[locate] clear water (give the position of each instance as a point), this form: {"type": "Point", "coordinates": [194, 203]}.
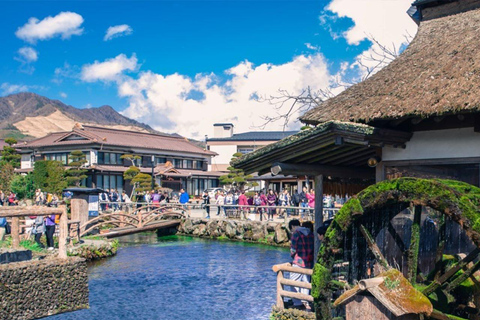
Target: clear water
{"type": "Point", "coordinates": [183, 278]}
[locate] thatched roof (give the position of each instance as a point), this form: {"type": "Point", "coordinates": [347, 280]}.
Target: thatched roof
{"type": "Point", "coordinates": [438, 74]}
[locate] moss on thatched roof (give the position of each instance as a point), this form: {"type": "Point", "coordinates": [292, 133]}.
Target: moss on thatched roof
{"type": "Point", "coordinates": [438, 74]}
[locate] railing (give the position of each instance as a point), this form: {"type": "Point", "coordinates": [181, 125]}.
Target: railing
{"type": "Point", "coordinates": [282, 281]}
{"type": "Point", "coordinates": [16, 212]}
{"type": "Point", "coordinates": [229, 210]}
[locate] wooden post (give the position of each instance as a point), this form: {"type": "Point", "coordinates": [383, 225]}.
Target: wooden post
{"type": "Point", "coordinates": [62, 240]}
{"type": "Point", "coordinates": [15, 233]}
{"type": "Point", "coordinates": [318, 211]}
{"type": "Point", "coordinates": [280, 304]}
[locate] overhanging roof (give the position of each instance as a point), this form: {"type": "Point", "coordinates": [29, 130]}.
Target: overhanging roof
{"type": "Point", "coordinates": [331, 143]}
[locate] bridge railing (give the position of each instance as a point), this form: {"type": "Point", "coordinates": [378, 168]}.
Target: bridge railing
{"type": "Point", "coordinates": [282, 282]}
{"type": "Point", "coordinates": [16, 212]}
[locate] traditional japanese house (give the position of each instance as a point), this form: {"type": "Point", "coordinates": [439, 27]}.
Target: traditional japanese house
{"type": "Point", "coordinates": [174, 161]}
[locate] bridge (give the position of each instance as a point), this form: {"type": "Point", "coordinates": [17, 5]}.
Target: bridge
{"type": "Point", "coordinates": [140, 219]}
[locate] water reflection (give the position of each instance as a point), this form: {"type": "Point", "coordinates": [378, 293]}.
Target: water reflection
{"type": "Point", "coordinates": [182, 278]}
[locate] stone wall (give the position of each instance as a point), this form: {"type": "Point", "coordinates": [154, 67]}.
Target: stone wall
{"type": "Point", "coordinates": [39, 288]}
{"type": "Point", "coordinates": [291, 314]}
{"type": "Point", "coordinates": [272, 233]}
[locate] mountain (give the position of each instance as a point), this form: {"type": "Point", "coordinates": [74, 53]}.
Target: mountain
{"type": "Point", "coordinates": [29, 115]}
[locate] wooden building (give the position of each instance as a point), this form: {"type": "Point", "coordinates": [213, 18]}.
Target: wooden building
{"type": "Point", "coordinates": [419, 116]}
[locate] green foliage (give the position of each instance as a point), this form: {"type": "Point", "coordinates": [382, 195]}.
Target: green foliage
{"type": "Point", "coordinates": [236, 177]}
{"type": "Point", "coordinates": [22, 186]}
{"type": "Point", "coordinates": [76, 174]}
{"type": "Point", "coordinates": [131, 173]}
{"type": "Point", "coordinates": [7, 172]}
{"type": "Point", "coordinates": [9, 154]}
{"type": "Point", "coordinates": [49, 176]}
{"type": "Point", "coordinates": [143, 182]}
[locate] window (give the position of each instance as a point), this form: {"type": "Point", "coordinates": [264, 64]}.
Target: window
{"type": "Point", "coordinates": [105, 181]}
{"type": "Point", "coordinates": [177, 163]}
{"type": "Point", "coordinates": [110, 158]}
{"type": "Point", "coordinates": [160, 160]}
{"type": "Point", "coordinates": [199, 165]}
{"type": "Point", "coordinates": [62, 157]}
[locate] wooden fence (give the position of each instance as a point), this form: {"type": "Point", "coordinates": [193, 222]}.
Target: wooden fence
{"type": "Point", "coordinates": [16, 212]}
{"type": "Point", "coordinates": [282, 281]}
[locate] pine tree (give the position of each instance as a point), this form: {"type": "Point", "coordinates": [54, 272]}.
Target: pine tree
{"type": "Point", "coordinates": [143, 182]}
{"type": "Point", "coordinates": [76, 174]}
{"type": "Point", "coordinates": [9, 154]}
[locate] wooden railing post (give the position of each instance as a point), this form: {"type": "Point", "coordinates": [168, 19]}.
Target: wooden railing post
{"type": "Point", "coordinates": [280, 304]}
{"type": "Point", "coordinates": [62, 240]}
{"type": "Point", "coordinates": [15, 233]}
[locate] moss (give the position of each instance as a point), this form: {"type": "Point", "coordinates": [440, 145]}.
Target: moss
{"type": "Point", "coordinates": [344, 216]}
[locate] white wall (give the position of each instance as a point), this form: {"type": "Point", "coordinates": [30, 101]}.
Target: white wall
{"type": "Point", "coordinates": [26, 161]}
{"type": "Point", "coordinates": [225, 153]}
{"type": "Point", "coordinates": [437, 144]}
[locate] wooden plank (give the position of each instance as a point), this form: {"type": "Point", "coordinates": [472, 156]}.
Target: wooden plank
{"type": "Point", "coordinates": [374, 248]}
{"type": "Point", "coordinates": [280, 303]}
{"type": "Point", "coordinates": [294, 283]}
{"type": "Point", "coordinates": [318, 213]}
{"type": "Point", "coordinates": [288, 267]}
{"type": "Point", "coordinates": [127, 231]}
{"type": "Point", "coordinates": [15, 233]}
{"type": "Point", "coordinates": [296, 295]}
{"type": "Point", "coordinates": [19, 211]}
{"type": "Point", "coordinates": [62, 240]}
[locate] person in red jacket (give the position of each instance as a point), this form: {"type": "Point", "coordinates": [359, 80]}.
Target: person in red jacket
{"type": "Point", "coordinates": [243, 201]}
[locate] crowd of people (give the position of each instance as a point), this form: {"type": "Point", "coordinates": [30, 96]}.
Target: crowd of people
{"type": "Point", "coordinates": [270, 203]}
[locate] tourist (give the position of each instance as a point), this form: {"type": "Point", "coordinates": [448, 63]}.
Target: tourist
{"type": "Point", "coordinates": [3, 226]}
{"type": "Point", "coordinates": [54, 201]}
{"type": "Point", "coordinates": [155, 199]}
{"type": "Point", "coordinates": [2, 198]}
{"type": "Point", "coordinates": [115, 199]}
{"type": "Point", "coordinates": [167, 197]}
{"type": "Point", "coordinates": [311, 200]}
{"type": "Point", "coordinates": [38, 230]}
{"type": "Point", "coordinates": [126, 200]}
{"type": "Point", "coordinates": [220, 201]}
{"type": "Point", "coordinates": [229, 200]}
{"type": "Point", "coordinates": [271, 200]}
{"type": "Point", "coordinates": [242, 202]}
{"type": "Point", "coordinates": [284, 201]}
{"type": "Point", "coordinates": [303, 201]}
{"type": "Point", "coordinates": [206, 203]}
{"type": "Point", "coordinates": [322, 230]}
{"type": "Point", "coordinates": [12, 199]}
{"type": "Point", "coordinates": [263, 199]}
{"type": "Point", "coordinates": [257, 201]}
{"type": "Point", "coordinates": [39, 199]}
{"type": "Point", "coordinates": [50, 230]}
{"type": "Point", "coordinates": [184, 197]}
{"type": "Point", "coordinates": [103, 199]}
{"type": "Point", "coordinates": [301, 251]}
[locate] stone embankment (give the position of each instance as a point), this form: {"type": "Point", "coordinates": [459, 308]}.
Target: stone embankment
{"type": "Point", "coordinates": [39, 288]}
{"type": "Point", "coordinates": [94, 249]}
{"type": "Point", "coordinates": [271, 233]}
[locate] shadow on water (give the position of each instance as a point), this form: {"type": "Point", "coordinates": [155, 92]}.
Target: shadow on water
{"type": "Point", "coordinates": [177, 277]}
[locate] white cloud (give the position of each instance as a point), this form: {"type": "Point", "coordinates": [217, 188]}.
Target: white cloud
{"type": "Point", "coordinates": [63, 95]}
{"type": "Point", "coordinates": [109, 69]}
{"type": "Point", "coordinates": [117, 31]}
{"type": "Point", "coordinates": [166, 103]}
{"type": "Point", "coordinates": [10, 88]}
{"type": "Point", "coordinates": [312, 47]}
{"type": "Point", "coordinates": [385, 21]}
{"type": "Point", "coordinates": [28, 54]}
{"type": "Point", "coordinates": [64, 25]}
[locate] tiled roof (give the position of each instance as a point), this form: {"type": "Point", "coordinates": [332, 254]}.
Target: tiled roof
{"type": "Point", "coordinates": [257, 136]}
{"type": "Point", "coordinates": [115, 137]}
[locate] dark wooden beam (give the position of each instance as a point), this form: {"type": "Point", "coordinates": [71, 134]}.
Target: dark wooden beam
{"type": "Point", "coordinates": [315, 170]}
{"type": "Point", "coordinates": [318, 211]}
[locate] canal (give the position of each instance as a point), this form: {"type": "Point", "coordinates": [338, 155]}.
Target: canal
{"type": "Point", "coordinates": [182, 278]}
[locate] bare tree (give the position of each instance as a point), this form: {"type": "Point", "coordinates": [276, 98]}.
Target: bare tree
{"type": "Point", "coordinates": [287, 104]}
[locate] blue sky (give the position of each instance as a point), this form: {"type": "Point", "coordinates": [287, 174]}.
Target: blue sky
{"type": "Point", "coordinates": [180, 66]}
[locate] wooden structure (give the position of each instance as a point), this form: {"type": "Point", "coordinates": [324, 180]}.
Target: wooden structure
{"type": "Point", "coordinates": [279, 269]}
{"type": "Point", "coordinates": [386, 297]}
{"type": "Point", "coordinates": [16, 212]}
{"type": "Point", "coordinates": [142, 219]}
